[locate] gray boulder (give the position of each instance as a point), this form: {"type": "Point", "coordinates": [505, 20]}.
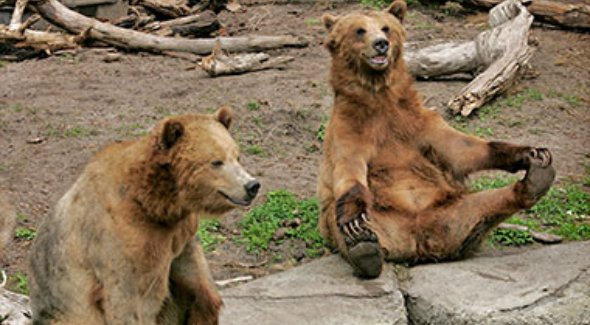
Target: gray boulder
{"type": "Point", "coordinates": [321, 292]}
{"type": "Point", "coordinates": [549, 285]}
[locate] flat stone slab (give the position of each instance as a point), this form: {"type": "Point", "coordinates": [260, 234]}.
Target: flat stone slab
{"type": "Point", "coordinates": [322, 292]}
{"type": "Point", "coordinates": [549, 285]}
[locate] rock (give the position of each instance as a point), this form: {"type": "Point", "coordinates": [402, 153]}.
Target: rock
{"type": "Point", "coordinates": [321, 292]}
{"type": "Point", "coordinates": [15, 307]}
{"type": "Point", "coordinates": [279, 234]}
{"type": "Point", "coordinates": [549, 285]}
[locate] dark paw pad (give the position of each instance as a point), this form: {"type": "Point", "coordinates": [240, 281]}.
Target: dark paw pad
{"type": "Point", "coordinates": [366, 259]}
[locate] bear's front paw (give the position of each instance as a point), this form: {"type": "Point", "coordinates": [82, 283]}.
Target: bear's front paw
{"type": "Point", "coordinates": [352, 216]}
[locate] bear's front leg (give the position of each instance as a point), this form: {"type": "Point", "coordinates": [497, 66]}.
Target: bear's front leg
{"type": "Point", "coordinates": [194, 293]}
{"type": "Point", "coordinates": [352, 216]}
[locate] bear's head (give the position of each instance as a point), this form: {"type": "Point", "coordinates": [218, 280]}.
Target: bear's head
{"type": "Point", "coordinates": [369, 44]}
{"type": "Point", "coordinates": [195, 163]}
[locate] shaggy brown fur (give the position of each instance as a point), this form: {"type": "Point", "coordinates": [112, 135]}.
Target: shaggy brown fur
{"type": "Point", "coordinates": [120, 247]}
{"type": "Point", "coordinates": [395, 169]}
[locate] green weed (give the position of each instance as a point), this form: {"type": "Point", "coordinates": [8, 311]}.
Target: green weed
{"type": "Point", "coordinates": [17, 108]}
{"type": "Point", "coordinates": [25, 233]}
{"type": "Point", "coordinates": [260, 224]}
{"type": "Point", "coordinates": [131, 130]}
{"type": "Point", "coordinates": [255, 149]}
{"type": "Point", "coordinates": [321, 132]}
{"type": "Point", "coordinates": [511, 237]}
{"type": "Point", "coordinates": [253, 106]}
{"type": "Point", "coordinates": [209, 235]}
{"type": "Point", "coordinates": [573, 100]}
{"type": "Point", "coordinates": [21, 284]}
{"type": "Point", "coordinates": [79, 131]}
{"type": "Point", "coordinates": [312, 21]}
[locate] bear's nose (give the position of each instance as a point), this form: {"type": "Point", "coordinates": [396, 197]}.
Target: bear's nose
{"type": "Point", "coordinates": [252, 188]}
{"type": "Point", "coordinates": [381, 45]}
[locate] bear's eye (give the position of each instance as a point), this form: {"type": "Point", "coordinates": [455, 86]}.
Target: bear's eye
{"type": "Point", "coordinates": [217, 163]}
{"type": "Point", "coordinates": [360, 32]}
{"type": "Point", "coordinates": [385, 29]}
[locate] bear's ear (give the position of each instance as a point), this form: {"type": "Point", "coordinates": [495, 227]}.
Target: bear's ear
{"type": "Point", "coordinates": [398, 8]}
{"type": "Point", "coordinates": [329, 21]}
{"type": "Point", "coordinates": [171, 132]}
{"type": "Point", "coordinates": [224, 116]}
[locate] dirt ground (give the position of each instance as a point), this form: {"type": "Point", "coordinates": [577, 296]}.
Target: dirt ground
{"type": "Point", "coordinates": [78, 103]}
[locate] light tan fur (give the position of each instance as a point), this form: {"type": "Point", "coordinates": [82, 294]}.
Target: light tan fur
{"type": "Point", "coordinates": [120, 246]}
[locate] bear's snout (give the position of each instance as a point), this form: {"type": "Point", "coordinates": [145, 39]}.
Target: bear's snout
{"type": "Point", "coordinates": [381, 45]}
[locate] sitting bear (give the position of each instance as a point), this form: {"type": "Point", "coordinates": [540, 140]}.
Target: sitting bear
{"type": "Point", "coordinates": [120, 247]}
{"type": "Point", "coordinates": [391, 184]}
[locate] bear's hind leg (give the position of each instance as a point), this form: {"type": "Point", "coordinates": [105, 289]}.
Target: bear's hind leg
{"type": "Point", "coordinates": [455, 230]}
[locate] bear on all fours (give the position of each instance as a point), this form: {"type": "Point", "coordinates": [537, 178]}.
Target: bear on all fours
{"type": "Point", "coordinates": [391, 184]}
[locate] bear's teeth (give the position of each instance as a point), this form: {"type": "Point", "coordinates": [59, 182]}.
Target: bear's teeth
{"type": "Point", "coordinates": [379, 59]}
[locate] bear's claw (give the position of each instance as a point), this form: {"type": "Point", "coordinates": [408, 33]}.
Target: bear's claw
{"type": "Point", "coordinates": [540, 156]}
{"type": "Point", "coordinates": [356, 231]}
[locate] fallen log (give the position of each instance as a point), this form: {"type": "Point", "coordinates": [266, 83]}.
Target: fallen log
{"type": "Point", "coordinates": [39, 40]}
{"type": "Point", "coordinates": [201, 24]}
{"type": "Point", "coordinates": [15, 307]}
{"type": "Point", "coordinates": [168, 8]}
{"type": "Point", "coordinates": [17, 14]}
{"type": "Point", "coordinates": [218, 63]}
{"type": "Point", "coordinates": [59, 15]}
{"type": "Point", "coordinates": [572, 14]}
{"type": "Point", "coordinates": [505, 49]}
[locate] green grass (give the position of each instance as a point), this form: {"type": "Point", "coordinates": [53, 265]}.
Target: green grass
{"type": "Point", "coordinates": [79, 131]}
{"type": "Point", "coordinates": [25, 233]}
{"type": "Point", "coordinates": [260, 224]}
{"type": "Point", "coordinates": [573, 100]}
{"type": "Point", "coordinates": [209, 235]}
{"type": "Point", "coordinates": [255, 149]}
{"type": "Point", "coordinates": [21, 284]}
{"type": "Point", "coordinates": [564, 211]}
{"type": "Point", "coordinates": [253, 106]}
{"type": "Point", "coordinates": [132, 130]}
{"type": "Point", "coordinates": [321, 132]}
{"type": "Point", "coordinates": [18, 107]}
{"type": "Point", "coordinates": [510, 237]}
{"type": "Point", "coordinates": [312, 21]}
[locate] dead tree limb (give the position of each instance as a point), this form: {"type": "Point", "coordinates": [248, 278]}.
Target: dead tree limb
{"type": "Point", "coordinates": [39, 40]}
{"type": "Point", "coordinates": [218, 63]}
{"type": "Point", "coordinates": [17, 14]}
{"type": "Point", "coordinates": [501, 51]}
{"type": "Point", "coordinates": [59, 15]}
{"type": "Point", "coordinates": [570, 15]}
{"type": "Point", "coordinates": [15, 307]}
{"type": "Point", "coordinates": [505, 49]}
{"type": "Point", "coordinates": [200, 24]}
{"type": "Point", "coordinates": [168, 8]}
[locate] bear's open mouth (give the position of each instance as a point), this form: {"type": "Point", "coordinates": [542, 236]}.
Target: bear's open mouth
{"type": "Point", "coordinates": [234, 200]}
{"type": "Point", "coordinates": [378, 60]}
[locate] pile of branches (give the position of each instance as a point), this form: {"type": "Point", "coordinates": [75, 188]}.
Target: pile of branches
{"type": "Point", "coordinates": [496, 56]}
{"type": "Point", "coordinates": [160, 26]}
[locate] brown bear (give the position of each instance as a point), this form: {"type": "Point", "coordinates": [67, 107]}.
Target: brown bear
{"type": "Point", "coordinates": [391, 183]}
{"type": "Point", "coordinates": [120, 247]}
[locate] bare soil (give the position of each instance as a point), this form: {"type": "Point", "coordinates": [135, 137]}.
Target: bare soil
{"type": "Point", "coordinates": [76, 103]}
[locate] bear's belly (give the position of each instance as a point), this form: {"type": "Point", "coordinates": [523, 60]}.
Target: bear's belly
{"type": "Point", "coordinates": [406, 191]}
